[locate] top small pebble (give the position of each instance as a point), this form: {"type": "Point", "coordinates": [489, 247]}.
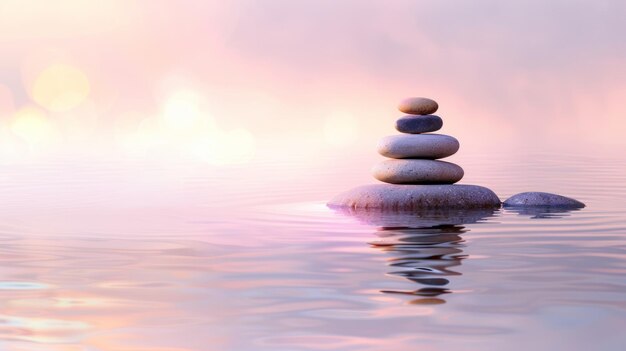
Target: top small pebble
{"type": "Point", "coordinates": [418, 106]}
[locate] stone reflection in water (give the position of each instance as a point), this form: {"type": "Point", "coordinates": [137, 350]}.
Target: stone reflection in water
{"type": "Point", "coordinates": [426, 246]}
{"type": "Point", "coordinates": [539, 212]}
{"type": "Point", "coordinates": [425, 256]}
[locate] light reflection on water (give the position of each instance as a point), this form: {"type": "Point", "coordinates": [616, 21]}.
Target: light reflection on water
{"type": "Point", "coordinates": [178, 257]}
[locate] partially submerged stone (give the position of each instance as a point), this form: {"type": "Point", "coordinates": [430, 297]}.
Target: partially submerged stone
{"type": "Point", "coordinates": [410, 197]}
{"type": "Point", "coordinates": [540, 199]}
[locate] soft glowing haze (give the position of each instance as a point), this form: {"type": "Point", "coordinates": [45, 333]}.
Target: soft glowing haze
{"type": "Point", "coordinates": [226, 82]}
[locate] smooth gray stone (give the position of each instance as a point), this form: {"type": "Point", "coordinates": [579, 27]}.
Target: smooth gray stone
{"type": "Point", "coordinates": [412, 124]}
{"type": "Point", "coordinates": [415, 171]}
{"type": "Point", "coordinates": [406, 197]}
{"type": "Point", "coordinates": [542, 199]}
{"type": "Point", "coordinates": [418, 106]}
{"type": "Point", "coordinates": [429, 146]}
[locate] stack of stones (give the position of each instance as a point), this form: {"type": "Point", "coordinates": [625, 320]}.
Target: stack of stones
{"type": "Point", "coordinates": [414, 178]}
{"type": "Point", "coordinates": [413, 154]}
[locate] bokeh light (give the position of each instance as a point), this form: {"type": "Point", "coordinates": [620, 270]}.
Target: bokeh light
{"type": "Point", "coordinates": [182, 113]}
{"type": "Point", "coordinates": [225, 147]}
{"type": "Point", "coordinates": [340, 129]}
{"type": "Point", "coordinates": [198, 73]}
{"type": "Point", "coordinates": [60, 87]}
{"type": "Point", "coordinates": [34, 126]}
{"type": "Point", "coordinates": [7, 107]}
{"type": "Point", "coordinates": [12, 148]}
{"type": "Point", "coordinates": [80, 123]}
{"type": "Point", "coordinates": [184, 128]}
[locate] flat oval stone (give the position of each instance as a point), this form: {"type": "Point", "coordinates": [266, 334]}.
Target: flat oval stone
{"type": "Point", "coordinates": [419, 124]}
{"type": "Point", "coordinates": [429, 146]}
{"type": "Point", "coordinates": [413, 171]}
{"type": "Point", "coordinates": [407, 197]}
{"type": "Point", "coordinates": [418, 106]}
{"type": "Point", "coordinates": [542, 199]}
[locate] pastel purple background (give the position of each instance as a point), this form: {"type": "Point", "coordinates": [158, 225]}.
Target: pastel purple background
{"type": "Point", "coordinates": [223, 82]}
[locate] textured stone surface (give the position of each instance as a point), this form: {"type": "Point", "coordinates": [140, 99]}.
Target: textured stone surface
{"type": "Point", "coordinates": [419, 124]}
{"type": "Point", "coordinates": [418, 106]}
{"type": "Point", "coordinates": [417, 172]}
{"type": "Point", "coordinates": [541, 199]}
{"type": "Point", "coordinates": [430, 146]}
{"type": "Point", "coordinates": [414, 197]}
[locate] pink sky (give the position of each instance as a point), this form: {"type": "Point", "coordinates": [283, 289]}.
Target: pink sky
{"type": "Point", "coordinates": [309, 74]}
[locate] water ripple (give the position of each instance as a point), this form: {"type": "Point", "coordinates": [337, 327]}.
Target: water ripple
{"type": "Point", "coordinates": [185, 257]}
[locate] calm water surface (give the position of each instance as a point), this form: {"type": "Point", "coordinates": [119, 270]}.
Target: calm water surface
{"type": "Point", "coordinates": [163, 256]}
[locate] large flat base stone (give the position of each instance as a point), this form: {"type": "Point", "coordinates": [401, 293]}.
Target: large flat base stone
{"type": "Point", "coordinates": [412, 197]}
